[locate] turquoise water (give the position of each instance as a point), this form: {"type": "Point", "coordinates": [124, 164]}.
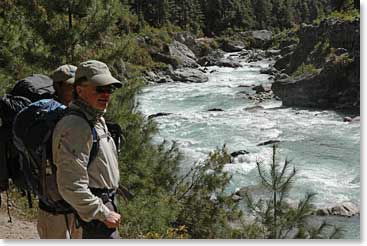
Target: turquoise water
{"type": "Point", "coordinates": [324, 149]}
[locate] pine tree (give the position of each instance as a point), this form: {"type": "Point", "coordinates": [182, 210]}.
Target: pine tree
{"type": "Point", "coordinates": [274, 217]}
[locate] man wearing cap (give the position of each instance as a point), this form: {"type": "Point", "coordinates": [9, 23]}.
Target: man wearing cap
{"type": "Point", "coordinates": [89, 188]}
{"type": "Point", "coordinates": [52, 225]}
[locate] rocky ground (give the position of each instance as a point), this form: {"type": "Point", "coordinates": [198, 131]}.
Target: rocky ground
{"type": "Point", "coordinates": [18, 228]}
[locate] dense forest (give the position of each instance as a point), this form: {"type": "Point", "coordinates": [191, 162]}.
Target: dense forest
{"type": "Point", "coordinates": [39, 35]}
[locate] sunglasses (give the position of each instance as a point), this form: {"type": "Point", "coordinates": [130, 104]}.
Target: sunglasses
{"type": "Point", "coordinates": [105, 89]}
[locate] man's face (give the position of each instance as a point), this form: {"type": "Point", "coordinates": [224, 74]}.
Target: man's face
{"type": "Point", "coordinates": [97, 97]}
{"type": "Point", "coordinates": [66, 92]}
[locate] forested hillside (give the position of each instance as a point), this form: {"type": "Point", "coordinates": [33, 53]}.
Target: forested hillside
{"type": "Point", "coordinates": [132, 37]}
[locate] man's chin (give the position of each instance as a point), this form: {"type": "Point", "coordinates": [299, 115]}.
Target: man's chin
{"type": "Point", "coordinates": [101, 106]}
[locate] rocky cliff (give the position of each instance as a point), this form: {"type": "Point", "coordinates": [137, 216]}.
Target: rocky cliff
{"type": "Point", "coordinates": [324, 67]}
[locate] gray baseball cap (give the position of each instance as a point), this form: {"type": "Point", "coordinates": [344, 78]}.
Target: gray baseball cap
{"type": "Point", "coordinates": [97, 73]}
{"type": "Point", "coordinates": [64, 73]}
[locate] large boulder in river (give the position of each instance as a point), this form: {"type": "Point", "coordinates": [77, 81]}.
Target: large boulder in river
{"type": "Point", "coordinates": [181, 53]}
{"type": "Point", "coordinates": [200, 46]}
{"type": "Point", "coordinates": [261, 38]}
{"type": "Point", "coordinates": [189, 75]}
{"type": "Point", "coordinates": [216, 58]}
{"type": "Point", "coordinates": [232, 45]}
{"type": "Point", "coordinates": [262, 88]}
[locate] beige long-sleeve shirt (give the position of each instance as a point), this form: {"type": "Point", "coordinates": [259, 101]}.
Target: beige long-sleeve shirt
{"type": "Point", "coordinates": [72, 144]}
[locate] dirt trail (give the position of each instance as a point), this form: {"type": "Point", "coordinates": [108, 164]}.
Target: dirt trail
{"type": "Point", "coordinates": [18, 229]}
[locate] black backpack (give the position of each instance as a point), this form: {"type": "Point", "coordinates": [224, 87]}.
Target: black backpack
{"type": "Point", "coordinates": [9, 165]}
{"type": "Point", "coordinates": [34, 87]}
{"type": "Point", "coordinates": [32, 135]}
{"type": "Point", "coordinates": [25, 91]}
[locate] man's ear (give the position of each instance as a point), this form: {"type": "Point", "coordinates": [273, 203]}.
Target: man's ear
{"type": "Point", "coordinates": [79, 90]}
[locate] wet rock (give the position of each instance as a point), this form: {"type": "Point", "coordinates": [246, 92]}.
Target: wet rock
{"type": "Point", "coordinates": [356, 119]}
{"type": "Point", "coordinates": [239, 152]}
{"type": "Point", "coordinates": [281, 76]}
{"type": "Point", "coordinates": [246, 86]}
{"type": "Point", "coordinates": [254, 108]}
{"type": "Point", "coordinates": [215, 110]}
{"type": "Point", "coordinates": [347, 119]}
{"type": "Point", "coordinates": [184, 56]}
{"type": "Point", "coordinates": [262, 88]}
{"type": "Point", "coordinates": [346, 209]}
{"type": "Point", "coordinates": [269, 70]}
{"type": "Point", "coordinates": [216, 58]}
{"type": "Point", "coordinates": [268, 142]}
{"type": "Point", "coordinates": [189, 75]}
{"type": "Point", "coordinates": [272, 53]}
{"type": "Point", "coordinates": [158, 115]}
{"type": "Point", "coordinates": [356, 180]}
{"type": "Point", "coordinates": [232, 46]}
{"type": "Point", "coordinates": [159, 77]}
{"type": "Point", "coordinates": [200, 46]}
{"type": "Point", "coordinates": [255, 55]}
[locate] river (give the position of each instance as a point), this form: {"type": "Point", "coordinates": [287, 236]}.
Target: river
{"type": "Point", "coordinates": [324, 149]}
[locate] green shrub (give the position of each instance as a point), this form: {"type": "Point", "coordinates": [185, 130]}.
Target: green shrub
{"type": "Point", "coordinates": [305, 69]}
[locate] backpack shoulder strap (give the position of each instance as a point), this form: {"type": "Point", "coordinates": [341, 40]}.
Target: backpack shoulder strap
{"type": "Point", "coordinates": [96, 138]}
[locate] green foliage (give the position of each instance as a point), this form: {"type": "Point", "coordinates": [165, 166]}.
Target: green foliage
{"type": "Point", "coordinates": [348, 15]}
{"type": "Point", "coordinates": [37, 36]}
{"type": "Point", "coordinates": [305, 69]}
{"type": "Point", "coordinates": [285, 36]}
{"type": "Point", "coordinates": [206, 210]}
{"type": "Point", "coordinates": [274, 217]}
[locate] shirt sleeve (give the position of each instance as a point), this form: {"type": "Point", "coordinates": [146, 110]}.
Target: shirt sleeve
{"type": "Point", "coordinates": [71, 146]}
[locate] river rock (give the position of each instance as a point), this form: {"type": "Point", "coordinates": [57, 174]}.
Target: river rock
{"type": "Point", "coordinates": [254, 108]}
{"type": "Point", "coordinates": [268, 142]}
{"type": "Point", "coordinates": [200, 46]}
{"type": "Point", "coordinates": [232, 46]}
{"type": "Point", "coordinates": [288, 49]}
{"type": "Point", "coordinates": [356, 119]}
{"type": "Point", "coordinates": [269, 70]}
{"type": "Point", "coordinates": [189, 75]}
{"type": "Point", "coordinates": [216, 58]}
{"type": "Point", "coordinates": [272, 53]}
{"type": "Point", "coordinates": [262, 88]}
{"type": "Point", "coordinates": [184, 56]}
{"type": "Point", "coordinates": [158, 115]}
{"type": "Point", "coordinates": [347, 209]}
{"type": "Point", "coordinates": [215, 110]}
{"type": "Point", "coordinates": [280, 76]}
{"type": "Point", "coordinates": [356, 180]}
{"type": "Point", "coordinates": [239, 152]}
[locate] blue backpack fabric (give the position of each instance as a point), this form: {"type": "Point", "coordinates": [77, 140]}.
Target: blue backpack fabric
{"type": "Point", "coordinates": [32, 135]}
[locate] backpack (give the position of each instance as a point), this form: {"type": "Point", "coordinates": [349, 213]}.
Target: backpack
{"type": "Point", "coordinates": [9, 106]}
{"type": "Point", "coordinates": [34, 87]}
{"type": "Point", "coordinates": [32, 135]}
{"type": "Point", "coordinates": [25, 91]}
